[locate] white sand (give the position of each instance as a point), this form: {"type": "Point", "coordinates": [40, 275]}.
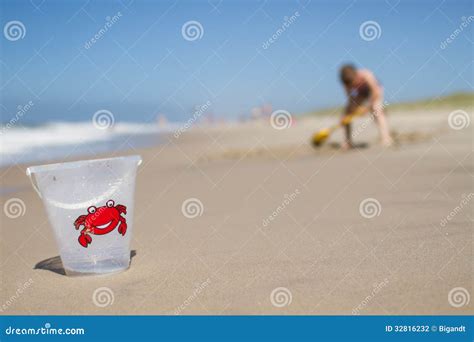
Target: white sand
{"type": "Point", "coordinates": [228, 261]}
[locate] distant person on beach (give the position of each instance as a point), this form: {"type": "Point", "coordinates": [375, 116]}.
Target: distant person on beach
{"type": "Point", "coordinates": [363, 89]}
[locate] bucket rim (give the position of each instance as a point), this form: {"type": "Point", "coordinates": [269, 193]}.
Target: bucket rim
{"type": "Point", "coordinates": [78, 163]}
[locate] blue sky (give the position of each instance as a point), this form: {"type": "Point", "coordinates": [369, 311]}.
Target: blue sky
{"type": "Point", "coordinates": [142, 65]}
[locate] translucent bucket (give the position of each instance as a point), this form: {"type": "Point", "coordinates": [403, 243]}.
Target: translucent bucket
{"type": "Point", "coordinates": [90, 208]}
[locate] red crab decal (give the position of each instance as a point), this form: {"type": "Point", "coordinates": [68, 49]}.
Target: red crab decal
{"type": "Point", "coordinates": [101, 221]}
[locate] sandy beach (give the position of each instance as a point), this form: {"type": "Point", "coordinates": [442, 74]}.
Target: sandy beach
{"type": "Point", "coordinates": [281, 229]}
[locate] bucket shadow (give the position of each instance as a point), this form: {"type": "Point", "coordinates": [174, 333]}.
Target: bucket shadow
{"type": "Point", "coordinates": [55, 264]}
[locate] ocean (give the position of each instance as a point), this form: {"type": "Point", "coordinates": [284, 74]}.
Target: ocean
{"type": "Point", "coordinates": [59, 140]}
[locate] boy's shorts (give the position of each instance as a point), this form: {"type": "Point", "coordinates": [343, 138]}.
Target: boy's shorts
{"type": "Point", "coordinates": [360, 94]}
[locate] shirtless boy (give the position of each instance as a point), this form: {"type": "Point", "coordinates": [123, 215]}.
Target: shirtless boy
{"type": "Point", "coordinates": [363, 89]}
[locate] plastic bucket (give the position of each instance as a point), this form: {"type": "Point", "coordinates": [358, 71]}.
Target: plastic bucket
{"type": "Point", "coordinates": [90, 208]}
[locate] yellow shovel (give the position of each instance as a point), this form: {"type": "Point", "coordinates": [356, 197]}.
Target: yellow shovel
{"type": "Point", "coordinates": [320, 137]}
